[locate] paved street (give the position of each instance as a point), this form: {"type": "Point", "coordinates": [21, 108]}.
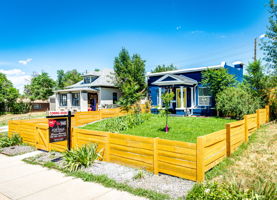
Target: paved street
{"type": "Point", "coordinates": [19, 180]}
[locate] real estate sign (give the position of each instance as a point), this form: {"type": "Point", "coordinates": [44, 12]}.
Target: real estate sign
{"type": "Point", "coordinates": [57, 129]}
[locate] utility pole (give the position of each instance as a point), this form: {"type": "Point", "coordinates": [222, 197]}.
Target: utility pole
{"type": "Point", "coordinates": [255, 49]}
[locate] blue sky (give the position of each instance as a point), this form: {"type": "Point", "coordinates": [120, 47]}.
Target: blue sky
{"type": "Point", "coordinates": [49, 35]}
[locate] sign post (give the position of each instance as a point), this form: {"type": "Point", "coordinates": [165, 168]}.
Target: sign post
{"type": "Point", "coordinates": [60, 127]}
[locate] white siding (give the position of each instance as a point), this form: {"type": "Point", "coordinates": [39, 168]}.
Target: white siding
{"type": "Point", "coordinates": [106, 95]}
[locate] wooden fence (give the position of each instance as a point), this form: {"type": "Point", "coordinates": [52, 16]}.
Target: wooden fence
{"type": "Point", "coordinates": [182, 159]}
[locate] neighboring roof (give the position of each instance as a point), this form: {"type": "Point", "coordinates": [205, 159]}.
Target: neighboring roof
{"type": "Point", "coordinates": [105, 79]}
{"type": "Point", "coordinates": [26, 100]}
{"type": "Point", "coordinates": [78, 89]}
{"type": "Point", "coordinates": [187, 70]}
{"type": "Point", "coordinates": [171, 79]}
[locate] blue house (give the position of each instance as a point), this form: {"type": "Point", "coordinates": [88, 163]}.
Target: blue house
{"type": "Point", "coordinates": [191, 98]}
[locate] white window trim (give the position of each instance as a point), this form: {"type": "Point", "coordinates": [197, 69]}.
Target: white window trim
{"type": "Point", "coordinates": [203, 96]}
{"type": "Point", "coordinates": [65, 101]}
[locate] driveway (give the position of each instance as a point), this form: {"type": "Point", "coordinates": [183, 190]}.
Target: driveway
{"type": "Point", "coordinates": [22, 181]}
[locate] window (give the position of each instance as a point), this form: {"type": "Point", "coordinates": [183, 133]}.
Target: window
{"type": "Point", "coordinates": [63, 99]}
{"type": "Point", "coordinates": [114, 98]}
{"type": "Point", "coordinates": [87, 79]}
{"type": "Point", "coordinates": [36, 106]}
{"type": "Point", "coordinates": [75, 99]}
{"type": "Point", "coordinates": [204, 97]}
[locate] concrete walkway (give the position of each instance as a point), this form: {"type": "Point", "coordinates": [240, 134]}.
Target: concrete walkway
{"type": "Point", "coordinates": [19, 180]}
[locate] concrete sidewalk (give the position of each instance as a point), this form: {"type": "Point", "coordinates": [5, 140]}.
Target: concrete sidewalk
{"type": "Point", "coordinates": [19, 180]}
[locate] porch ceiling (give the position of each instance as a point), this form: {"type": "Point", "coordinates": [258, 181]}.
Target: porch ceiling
{"type": "Point", "coordinates": [171, 79]}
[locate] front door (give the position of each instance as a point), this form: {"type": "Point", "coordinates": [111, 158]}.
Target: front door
{"type": "Point", "coordinates": [178, 97]}
{"type": "Point", "coordinates": [93, 101]}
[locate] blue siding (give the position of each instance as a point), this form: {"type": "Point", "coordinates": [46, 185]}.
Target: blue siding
{"type": "Point", "coordinates": [237, 71]}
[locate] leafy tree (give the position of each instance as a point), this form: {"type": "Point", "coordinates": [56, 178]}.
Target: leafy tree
{"type": "Point", "coordinates": [167, 98]}
{"type": "Point", "coordinates": [68, 78]}
{"type": "Point", "coordinates": [164, 68]}
{"type": "Point", "coordinates": [270, 45]}
{"type": "Point", "coordinates": [8, 94]}
{"type": "Point", "coordinates": [217, 80]}
{"type": "Point", "coordinates": [235, 102]}
{"type": "Point", "coordinates": [41, 87]}
{"type": "Point", "coordinates": [258, 81]}
{"type": "Point", "coordinates": [129, 78]}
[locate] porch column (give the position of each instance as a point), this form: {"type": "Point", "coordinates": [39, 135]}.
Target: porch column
{"type": "Point", "coordinates": [69, 99]}
{"type": "Point", "coordinates": [80, 100]}
{"type": "Point", "coordinates": [160, 97]}
{"type": "Point", "coordinates": [192, 97]}
{"type": "Point", "coordinates": [182, 96]}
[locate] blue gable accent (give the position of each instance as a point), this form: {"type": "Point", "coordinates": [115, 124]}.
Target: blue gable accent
{"type": "Point", "coordinates": [237, 72]}
{"type": "Point", "coordinates": [169, 79]}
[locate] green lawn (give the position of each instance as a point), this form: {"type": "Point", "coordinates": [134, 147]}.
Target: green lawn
{"type": "Point", "coordinates": [181, 128]}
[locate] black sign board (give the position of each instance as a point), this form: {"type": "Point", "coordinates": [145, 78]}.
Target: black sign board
{"type": "Point", "coordinates": [57, 129]}
{"type": "Point", "coordinates": [60, 127]}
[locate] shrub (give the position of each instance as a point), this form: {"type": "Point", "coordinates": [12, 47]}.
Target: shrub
{"type": "Point", "coordinates": [119, 124]}
{"type": "Point", "coordinates": [213, 191]}
{"type": "Point", "coordinates": [20, 107]}
{"type": "Point", "coordinates": [236, 102]}
{"type": "Point", "coordinates": [81, 157]}
{"type": "Point", "coordinates": [6, 141]}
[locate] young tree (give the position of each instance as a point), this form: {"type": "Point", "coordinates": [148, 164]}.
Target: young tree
{"type": "Point", "coordinates": [217, 80]}
{"type": "Point", "coordinates": [129, 78]}
{"type": "Point", "coordinates": [8, 94]}
{"type": "Point", "coordinates": [41, 87]}
{"type": "Point", "coordinates": [258, 81]}
{"type": "Point", "coordinates": [167, 98]}
{"type": "Point", "coordinates": [270, 45]}
{"type": "Point", "coordinates": [164, 68]}
{"type": "Point", "coordinates": [68, 78]}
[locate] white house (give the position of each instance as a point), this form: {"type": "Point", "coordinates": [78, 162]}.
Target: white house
{"type": "Point", "coordinates": [95, 91]}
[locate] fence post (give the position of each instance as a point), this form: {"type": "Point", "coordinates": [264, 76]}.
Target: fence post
{"type": "Point", "coordinates": [246, 128]}
{"type": "Point", "coordinates": [155, 157]}
{"type": "Point", "coordinates": [267, 113]}
{"type": "Point", "coordinates": [200, 172]}
{"type": "Point", "coordinates": [258, 118]}
{"type": "Point", "coordinates": [107, 148]}
{"type": "Point", "coordinates": [228, 139]}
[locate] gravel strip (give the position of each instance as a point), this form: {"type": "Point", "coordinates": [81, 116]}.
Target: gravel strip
{"type": "Point", "coordinates": [173, 186]}
{"type": "Point", "coordinates": [16, 150]}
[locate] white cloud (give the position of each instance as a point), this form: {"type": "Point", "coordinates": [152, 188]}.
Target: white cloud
{"type": "Point", "coordinates": [178, 28]}
{"type": "Point", "coordinates": [25, 62]}
{"type": "Point", "coordinates": [18, 77]}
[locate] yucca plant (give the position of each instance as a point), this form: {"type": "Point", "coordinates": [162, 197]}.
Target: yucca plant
{"type": "Point", "coordinates": [81, 157]}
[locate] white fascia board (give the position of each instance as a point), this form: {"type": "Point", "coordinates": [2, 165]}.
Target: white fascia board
{"type": "Point", "coordinates": [184, 70]}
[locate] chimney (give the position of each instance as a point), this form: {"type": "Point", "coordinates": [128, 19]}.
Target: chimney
{"type": "Point", "coordinates": [238, 64]}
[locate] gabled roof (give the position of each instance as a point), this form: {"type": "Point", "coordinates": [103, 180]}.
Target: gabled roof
{"type": "Point", "coordinates": [179, 71]}
{"type": "Point", "coordinates": [171, 79]}
{"type": "Point", "coordinates": [104, 78]}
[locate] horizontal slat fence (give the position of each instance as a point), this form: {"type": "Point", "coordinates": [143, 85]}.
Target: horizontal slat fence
{"type": "Point", "coordinates": [182, 159]}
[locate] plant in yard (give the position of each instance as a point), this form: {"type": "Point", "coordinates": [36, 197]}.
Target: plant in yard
{"type": "Point", "coordinates": [164, 68]}
{"type": "Point", "coordinates": [224, 191]}
{"type": "Point", "coordinates": [216, 80]}
{"type": "Point", "coordinates": [6, 141]}
{"type": "Point", "coordinates": [167, 98]}
{"type": "Point", "coordinates": [81, 157]}
{"type": "Point", "coordinates": [129, 78]}
{"type": "Point", "coordinates": [236, 102]}
{"type": "Point", "coordinates": [139, 175]}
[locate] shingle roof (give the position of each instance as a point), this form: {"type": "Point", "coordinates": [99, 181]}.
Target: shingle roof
{"type": "Point", "coordinates": [105, 78]}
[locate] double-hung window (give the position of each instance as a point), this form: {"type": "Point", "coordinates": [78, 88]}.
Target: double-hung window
{"type": "Point", "coordinates": [63, 99]}
{"type": "Point", "coordinates": [75, 99]}
{"type": "Point", "coordinates": [204, 97]}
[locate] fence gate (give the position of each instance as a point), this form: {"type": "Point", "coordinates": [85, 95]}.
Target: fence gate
{"type": "Point", "coordinates": [42, 137]}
